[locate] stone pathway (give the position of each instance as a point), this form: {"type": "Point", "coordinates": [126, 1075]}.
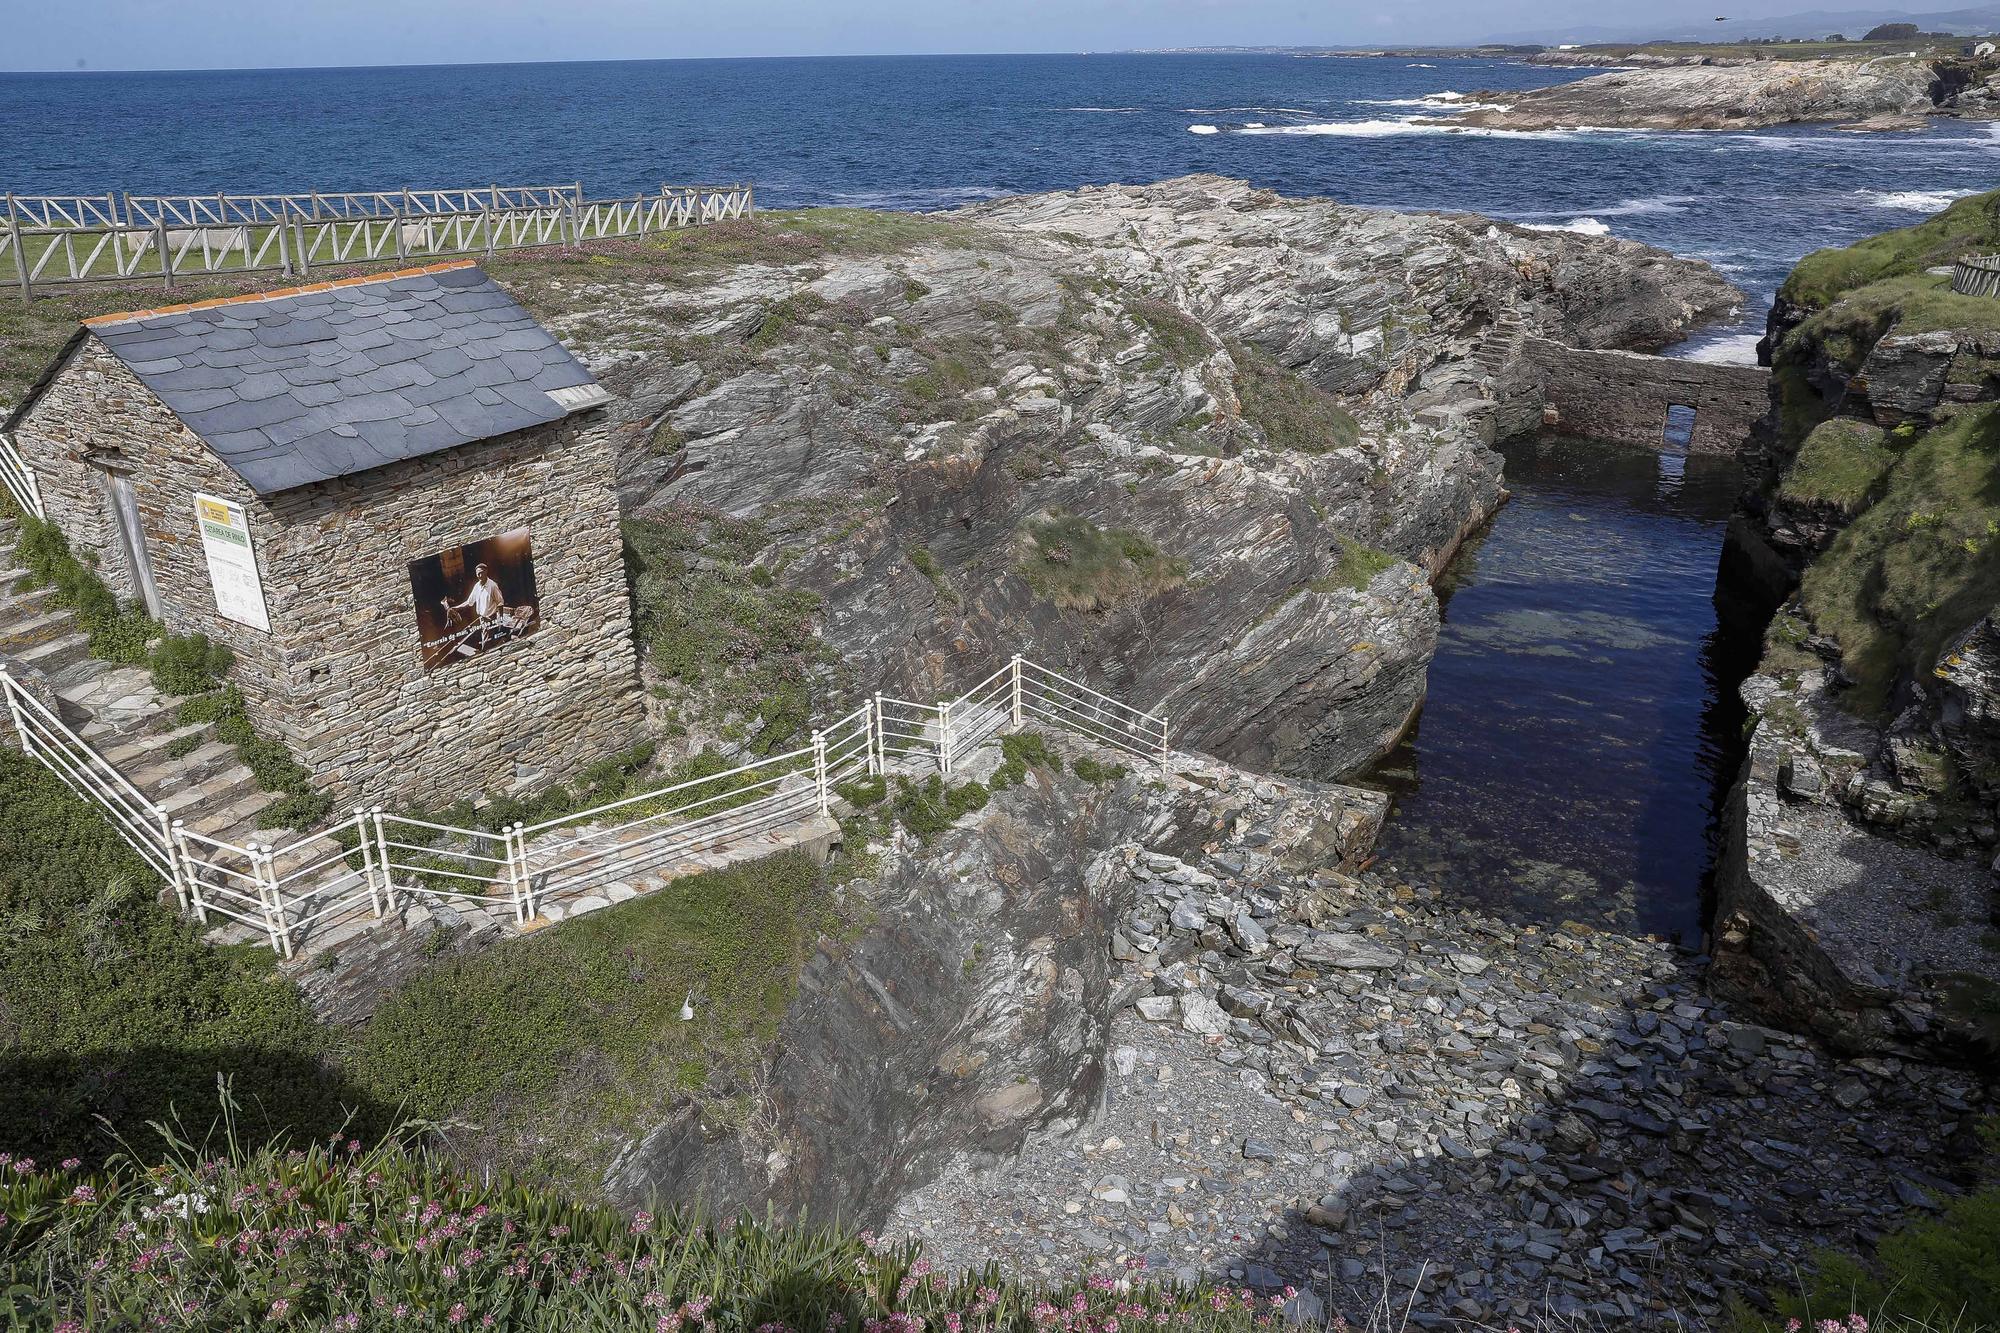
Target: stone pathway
{"type": "Point", "coordinates": [1340, 1084]}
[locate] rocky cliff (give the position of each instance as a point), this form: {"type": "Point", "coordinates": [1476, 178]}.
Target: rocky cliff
{"type": "Point", "coordinates": [975, 1005]}
{"type": "Point", "coordinates": [1885, 93]}
{"type": "Point", "coordinates": [1857, 893]}
{"type": "Point", "coordinates": [1200, 441]}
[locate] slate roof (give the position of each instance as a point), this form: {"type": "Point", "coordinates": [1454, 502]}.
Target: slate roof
{"type": "Point", "coordinates": [318, 382]}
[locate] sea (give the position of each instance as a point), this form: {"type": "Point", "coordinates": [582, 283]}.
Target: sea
{"type": "Point", "coordinates": [930, 132]}
{"type": "Point", "coordinates": [1581, 725]}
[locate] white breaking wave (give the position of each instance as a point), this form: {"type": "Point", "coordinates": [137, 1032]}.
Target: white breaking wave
{"type": "Point", "coordinates": [1581, 226]}
{"type": "Point", "coordinates": [1377, 129]}
{"type": "Point", "coordinates": [1740, 350]}
{"type": "Point", "coordinates": [1913, 201]}
{"type": "Point", "coordinates": [1109, 110]}
{"type": "Point", "coordinates": [1203, 129]}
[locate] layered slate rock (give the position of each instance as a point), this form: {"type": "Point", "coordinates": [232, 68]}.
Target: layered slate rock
{"type": "Point", "coordinates": [326, 381]}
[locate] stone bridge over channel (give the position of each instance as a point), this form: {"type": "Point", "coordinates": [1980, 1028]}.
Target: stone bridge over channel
{"type": "Point", "coordinates": [1627, 396]}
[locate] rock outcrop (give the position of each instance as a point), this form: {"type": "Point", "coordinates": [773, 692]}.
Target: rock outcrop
{"type": "Point", "coordinates": [1885, 93]}
{"type": "Point", "coordinates": [1197, 440]}
{"type": "Point", "coordinates": [976, 1004]}
{"type": "Point", "coordinates": [1859, 884]}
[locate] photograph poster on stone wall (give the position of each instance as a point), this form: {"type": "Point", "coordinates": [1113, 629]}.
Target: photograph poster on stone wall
{"type": "Point", "coordinates": [475, 598]}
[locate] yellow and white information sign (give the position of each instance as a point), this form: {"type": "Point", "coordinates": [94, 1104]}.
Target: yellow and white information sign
{"type": "Point", "coordinates": [232, 563]}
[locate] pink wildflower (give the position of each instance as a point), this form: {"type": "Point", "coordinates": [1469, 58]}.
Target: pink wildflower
{"type": "Point", "coordinates": [279, 1308]}
{"type": "Point", "coordinates": [642, 1222]}
{"type": "Point", "coordinates": [457, 1313]}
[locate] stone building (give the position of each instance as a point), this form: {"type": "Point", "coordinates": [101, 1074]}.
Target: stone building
{"type": "Point", "coordinates": [386, 494]}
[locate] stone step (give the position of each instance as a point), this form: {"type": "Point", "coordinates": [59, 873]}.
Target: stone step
{"type": "Point", "coordinates": [214, 793]}
{"type": "Point", "coordinates": [167, 774]}
{"type": "Point", "coordinates": [21, 632]}
{"type": "Point", "coordinates": [52, 655]}
{"type": "Point", "coordinates": [236, 821]}
{"type": "Point", "coordinates": [138, 749]}
{"type": "Point", "coordinates": [18, 604]}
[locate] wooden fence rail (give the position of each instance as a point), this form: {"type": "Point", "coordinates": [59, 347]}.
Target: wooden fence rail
{"type": "Point", "coordinates": [58, 241]}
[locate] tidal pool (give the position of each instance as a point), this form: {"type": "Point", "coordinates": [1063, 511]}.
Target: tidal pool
{"type": "Point", "coordinates": [1582, 721]}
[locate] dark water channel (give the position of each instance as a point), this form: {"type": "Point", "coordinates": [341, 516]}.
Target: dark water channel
{"type": "Point", "coordinates": [1582, 721]}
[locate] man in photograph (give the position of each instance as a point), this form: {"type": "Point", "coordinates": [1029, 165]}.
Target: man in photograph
{"type": "Point", "coordinates": [486, 602]}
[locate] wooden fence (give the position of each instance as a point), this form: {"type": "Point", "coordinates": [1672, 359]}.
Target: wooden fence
{"type": "Point", "coordinates": [58, 241]}
{"type": "Point", "coordinates": [1976, 275]}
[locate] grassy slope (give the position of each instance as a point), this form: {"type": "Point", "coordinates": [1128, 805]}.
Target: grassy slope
{"type": "Point", "coordinates": [1970, 226]}
{"type": "Point", "coordinates": [111, 1005]}
{"type": "Point", "coordinates": [1921, 560]}
{"type": "Point", "coordinates": [1920, 564]}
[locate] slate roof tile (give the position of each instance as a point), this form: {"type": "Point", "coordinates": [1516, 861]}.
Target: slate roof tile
{"type": "Point", "coordinates": [297, 387]}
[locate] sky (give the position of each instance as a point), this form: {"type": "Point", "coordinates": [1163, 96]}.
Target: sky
{"type": "Point", "coordinates": [224, 34]}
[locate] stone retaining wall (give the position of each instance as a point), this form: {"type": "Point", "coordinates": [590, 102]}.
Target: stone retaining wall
{"type": "Point", "coordinates": [1624, 396]}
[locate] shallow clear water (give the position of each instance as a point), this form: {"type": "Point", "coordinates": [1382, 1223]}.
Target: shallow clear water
{"type": "Point", "coordinates": [1581, 706]}
{"type": "Point", "coordinates": [933, 131]}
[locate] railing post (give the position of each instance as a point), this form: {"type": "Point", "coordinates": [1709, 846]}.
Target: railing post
{"type": "Point", "coordinates": [20, 251]}
{"type": "Point", "coordinates": [7, 687]}
{"type": "Point", "coordinates": [284, 240]}
{"type": "Point", "coordinates": [184, 859]}
{"type": "Point", "coordinates": [871, 734]}
{"type": "Point", "coordinates": [274, 903]}
{"type": "Point", "coordinates": [819, 771]}
{"type": "Point", "coordinates": [881, 738]}
{"type": "Point", "coordinates": [944, 739]}
{"type": "Point", "coordinates": [517, 871]}
{"type": "Point", "coordinates": [299, 244]}
{"type": "Point", "coordinates": [1016, 666]}
{"type": "Point", "coordinates": [169, 840]}
{"type": "Point", "coordinates": [367, 859]}
{"type": "Point", "coordinates": [382, 856]}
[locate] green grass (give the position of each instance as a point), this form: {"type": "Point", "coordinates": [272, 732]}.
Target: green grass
{"type": "Point", "coordinates": [1920, 564]}
{"type": "Point", "coordinates": [928, 808]}
{"type": "Point", "coordinates": [1838, 465]}
{"type": "Point", "coordinates": [784, 316]}
{"type": "Point", "coordinates": [1917, 303]}
{"type": "Point", "coordinates": [347, 1234]}
{"type": "Point", "coordinates": [1082, 567]}
{"type": "Point", "coordinates": [1969, 226]}
{"type": "Point", "coordinates": [580, 1025]}
{"type": "Point", "coordinates": [117, 633]}
{"type": "Point", "coordinates": [1180, 339]}
{"type": "Point", "coordinates": [1359, 564]}
{"type": "Point", "coordinates": [1020, 751]}
{"type": "Point", "coordinates": [740, 645]}
{"type": "Point", "coordinates": [1096, 771]}
{"type": "Point", "coordinates": [112, 1006]}
{"type": "Point", "coordinates": [1293, 414]}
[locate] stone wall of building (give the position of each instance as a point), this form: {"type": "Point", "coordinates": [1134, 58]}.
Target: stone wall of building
{"type": "Point", "coordinates": [1624, 396]}
{"type": "Point", "coordinates": [338, 676]}
{"type": "Point", "coordinates": [530, 712]}
{"type": "Point", "coordinates": [96, 417]}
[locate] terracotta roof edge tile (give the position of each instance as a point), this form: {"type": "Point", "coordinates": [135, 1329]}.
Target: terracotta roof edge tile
{"type": "Point", "coordinates": [127, 316]}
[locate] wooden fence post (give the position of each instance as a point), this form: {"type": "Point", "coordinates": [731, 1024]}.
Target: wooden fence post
{"type": "Point", "coordinates": [160, 246]}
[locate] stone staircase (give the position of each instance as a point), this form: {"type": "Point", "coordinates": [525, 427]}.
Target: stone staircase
{"type": "Point", "coordinates": [183, 770]}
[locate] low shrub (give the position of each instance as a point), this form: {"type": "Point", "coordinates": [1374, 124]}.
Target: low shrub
{"type": "Point", "coordinates": [113, 1011]}
{"type": "Point", "coordinates": [338, 1235]}
{"type": "Point", "coordinates": [1020, 751]}
{"type": "Point", "coordinates": [862, 793]}
{"type": "Point", "coordinates": [117, 634]}
{"type": "Point", "coordinates": [1092, 770]}
{"type": "Point", "coordinates": [1357, 566]}
{"type": "Point", "coordinates": [1294, 414]}
{"type": "Point", "coordinates": [928, 808]}
{"type": "Point", "coordinates": [1839, 465]}
{"type": "Point", "coordinates": [300, 805]}
{"type": "Point", "coordinates": [189, 664]}
{"type": "Point", "coordinates": [1082, 567]}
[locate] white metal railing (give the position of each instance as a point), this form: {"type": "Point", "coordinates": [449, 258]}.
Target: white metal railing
{"type": "Point", "coordinates": [51, 240]}
{"type": "Point", "coordinates": [374, 860]}
{"type": "Point", "coordinates": [19, 478]}
{"type": "Point", "coordinates": [46, 737]}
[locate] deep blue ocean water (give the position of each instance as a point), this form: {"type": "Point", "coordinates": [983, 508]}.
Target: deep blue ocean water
{"type": "Point", "coordinates": [1579, 717]}
{"type": "Point", "coordinates": [928, 132]}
